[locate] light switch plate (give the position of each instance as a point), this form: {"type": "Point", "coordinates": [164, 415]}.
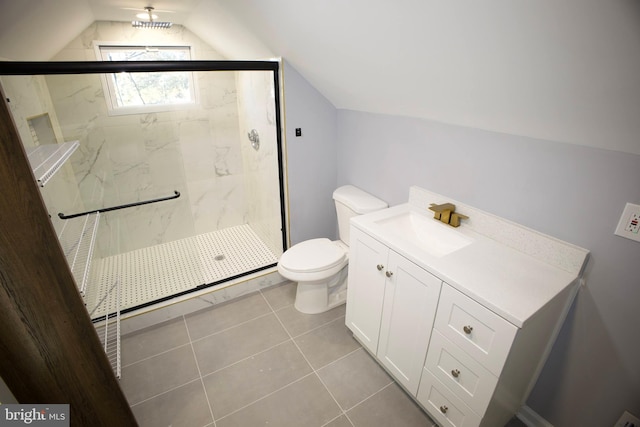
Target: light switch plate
{"type": "Point", "coordinates": [629, 225]}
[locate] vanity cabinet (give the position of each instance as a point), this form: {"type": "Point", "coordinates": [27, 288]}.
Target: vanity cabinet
{"type": "Point", "coordinates": [461, 360]}
{"type": "Point", "coordinates": [391, 306]}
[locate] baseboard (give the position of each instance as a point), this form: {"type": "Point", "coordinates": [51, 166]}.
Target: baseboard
{"type": "Point", "coordinates": [531, 418]}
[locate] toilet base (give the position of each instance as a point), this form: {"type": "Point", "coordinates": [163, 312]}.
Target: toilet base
{"type": "Point", "coordinates": [320, 296]}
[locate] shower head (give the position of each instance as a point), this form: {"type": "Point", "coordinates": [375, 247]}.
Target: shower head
{"type": "Point", "coordinates": [150, 23]}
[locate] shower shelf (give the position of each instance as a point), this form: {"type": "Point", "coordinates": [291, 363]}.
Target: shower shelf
{"type": "Point", "coordinates": [78, 237]}
{"type": "Point", "coordinates": [109, 330]}
{"type": "Point", "coordinates": [46, 159]}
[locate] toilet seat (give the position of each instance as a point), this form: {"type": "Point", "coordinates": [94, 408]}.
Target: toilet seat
{"type": "Point", "coordinates": [313, 255]}
{"type": "Point", "coordinates": [313, 259]}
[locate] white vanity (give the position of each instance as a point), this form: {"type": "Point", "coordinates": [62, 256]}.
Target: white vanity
{"type": "Point", "coordinates": [463, 318]}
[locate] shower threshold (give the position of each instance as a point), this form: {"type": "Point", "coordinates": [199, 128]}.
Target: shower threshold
{"type": "Point", "coordinates": [161, 272]}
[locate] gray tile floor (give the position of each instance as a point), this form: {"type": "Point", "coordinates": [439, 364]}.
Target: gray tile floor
{"type": "Point", "coordinates": [257, 361]}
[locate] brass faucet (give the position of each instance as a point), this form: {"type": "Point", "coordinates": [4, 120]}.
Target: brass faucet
{"type": "Point", "coordinates": [446, 213]}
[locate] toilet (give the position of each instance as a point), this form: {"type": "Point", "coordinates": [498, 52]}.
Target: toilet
{"type": "Point", "coordinates": [320, 265]}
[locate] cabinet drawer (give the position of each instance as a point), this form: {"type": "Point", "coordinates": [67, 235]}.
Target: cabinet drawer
{"type": "Point", "coordinates": [447, 409]}
{"type": "Point", "coordinates": [462, 374]}
{"type": "Point", "coordinates": [483, 334]}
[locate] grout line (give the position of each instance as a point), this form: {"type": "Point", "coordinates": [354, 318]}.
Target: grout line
{"type": "Point", "coordinates": [364, 400]}
{"type": "Point", "coordinates": [333, 419]}
{"type": "Point", "coordinates": [232, 327]}
{"type": "Point", "coordinates": [266, 395]}
{"type": "Point", "coordinates": [155, 355]}
{"type": "Point", "coordinates": [314, 371]}
{"type": "Point", "coordinates": [163, 393]}
{"type": "Point", "coordinates": [206, 395]}
{"type": "Point", "coordinates": [309, 363]}
{"type": "Point", "coordinates": [340, 358]}
{"type": "Point", "coordinates": [292, 341]}
{"type": "Point", "coordinates": [344, 411]}
{"type": "Point", "coordinates": [247, 358]}
{"type": "Point", "coordinates": [342, 317]}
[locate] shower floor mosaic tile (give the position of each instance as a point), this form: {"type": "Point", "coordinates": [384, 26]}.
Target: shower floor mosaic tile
{"type": "Point", "coordinates": [167, 269]}
{"type": "Point", "coordinates": [256, 361]}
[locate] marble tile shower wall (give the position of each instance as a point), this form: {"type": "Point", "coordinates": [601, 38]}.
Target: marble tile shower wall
{"type": "Point", "coordinates": [30, 98]}
{"type": "Point", "coordinates": [256, 105]}
{"type": "Point", "coordinates": [127, 158]}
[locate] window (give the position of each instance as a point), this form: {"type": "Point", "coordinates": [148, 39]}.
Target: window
{"type": "Point", "coordinates": [133, 93]}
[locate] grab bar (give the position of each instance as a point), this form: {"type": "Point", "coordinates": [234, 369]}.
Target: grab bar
{"type": "Point", "coordinates": [115, 208]}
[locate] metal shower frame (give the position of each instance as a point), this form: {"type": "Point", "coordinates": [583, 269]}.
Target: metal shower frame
{"type": "Point", "coordinates": [25, 68]}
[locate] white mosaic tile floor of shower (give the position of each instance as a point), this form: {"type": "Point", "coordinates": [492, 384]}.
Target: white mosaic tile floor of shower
{"type": "Point", "coordinates": [167, 269]}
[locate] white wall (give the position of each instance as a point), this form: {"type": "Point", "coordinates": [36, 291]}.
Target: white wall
{"type": "Point", "coordinates": [311, 159]}
{"type": "Point", "coordinates": [571, 192]}
{"type": "Point", "coordinates": [558, 70]}
{"type": "Point", "coordinates": [32, 30]}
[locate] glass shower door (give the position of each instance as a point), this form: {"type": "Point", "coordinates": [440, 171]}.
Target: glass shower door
{"type": "Point", "coordinates": [212, 170]}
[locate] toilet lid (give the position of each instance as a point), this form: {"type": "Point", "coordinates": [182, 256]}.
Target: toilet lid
{"type": "Point", "coordinates": [312, 255]}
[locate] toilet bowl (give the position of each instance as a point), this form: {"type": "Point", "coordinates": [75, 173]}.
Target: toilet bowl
{"type": "Point", "coordinates": [320, 265]}
{"type": "Point", "coordinates": [320, 268]}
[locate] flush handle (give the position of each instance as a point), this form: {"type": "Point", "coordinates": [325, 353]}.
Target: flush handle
{"type": "Point", "coordinates": [389, 273]}
{"type": "Point", "coordinates": [380, 267]}
{"type": "Point", "coordinates": [467, 329]}
{"type": "Point", "coordinates": [455, 373]}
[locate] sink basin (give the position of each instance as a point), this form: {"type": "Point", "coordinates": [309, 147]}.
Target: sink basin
{"type": "Point", "coordinates": [425, 232]}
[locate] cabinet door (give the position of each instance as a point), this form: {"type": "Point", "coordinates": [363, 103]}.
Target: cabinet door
{"type": "Point", "coordinates": [410, 301]}
{"type": "Point", "coordinates": [365, 290]}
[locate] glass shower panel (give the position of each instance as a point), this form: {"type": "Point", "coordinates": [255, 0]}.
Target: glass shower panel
{"type": "Point", "coordinates": [260, 153]}
{"type": "Point", "coordinates": [221, 155]}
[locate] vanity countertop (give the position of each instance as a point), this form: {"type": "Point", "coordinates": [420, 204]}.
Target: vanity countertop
{"type": "Point", "coordinates": [509, 282]}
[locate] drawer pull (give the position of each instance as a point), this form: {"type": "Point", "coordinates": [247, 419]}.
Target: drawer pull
{"type": "Point", "coordinates": [389, 273]}
{"type": "Point", "coordinates": [467, 329]}
{"type": "Point", "coordinates": [444, 409]}
{"type": "Point", "coordinates": [380, 267]}
{"type": "Point", "coordinates": [455, 373]}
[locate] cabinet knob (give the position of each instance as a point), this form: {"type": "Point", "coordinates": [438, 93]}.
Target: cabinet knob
{"type": "Point", "coordinates": [389, 273]}
{"type": "Point", "coordinates": [380, 267]}
{"type": "Point", "coordinates": [467, 329]}
{"type": "Point", "coordinates": [455, 373]}
{"type": "Point", "coordinates": [444, 409]}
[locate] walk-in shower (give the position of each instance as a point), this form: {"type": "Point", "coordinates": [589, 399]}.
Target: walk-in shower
{"type": "Point", "coordinates": [164, 197]}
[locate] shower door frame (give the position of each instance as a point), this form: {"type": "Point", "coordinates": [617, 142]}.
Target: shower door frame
{"type": "Point", "coordinates": [27, 68]}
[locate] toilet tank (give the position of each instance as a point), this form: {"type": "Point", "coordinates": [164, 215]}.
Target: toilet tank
{"type": "Point", "coordinates": [351, 201]}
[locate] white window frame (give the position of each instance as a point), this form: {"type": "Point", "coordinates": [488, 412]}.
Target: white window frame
{"type": "Point", "coordinates": [108, 83]}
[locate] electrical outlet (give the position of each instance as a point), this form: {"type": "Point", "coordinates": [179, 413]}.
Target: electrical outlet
{"type": "Point", "coordinates": [629, 225]}
{"type": "Point", "coordinates": [632, 225]}
{"type": "Point", "coordinates": [627, 420]}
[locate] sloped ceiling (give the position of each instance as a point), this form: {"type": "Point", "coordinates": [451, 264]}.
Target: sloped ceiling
{"type": "Point", "coordinates": [564, 71]}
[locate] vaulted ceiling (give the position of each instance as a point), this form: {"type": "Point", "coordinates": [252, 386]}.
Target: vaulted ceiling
{"type": "Point", "coordinates": [563, 71]}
